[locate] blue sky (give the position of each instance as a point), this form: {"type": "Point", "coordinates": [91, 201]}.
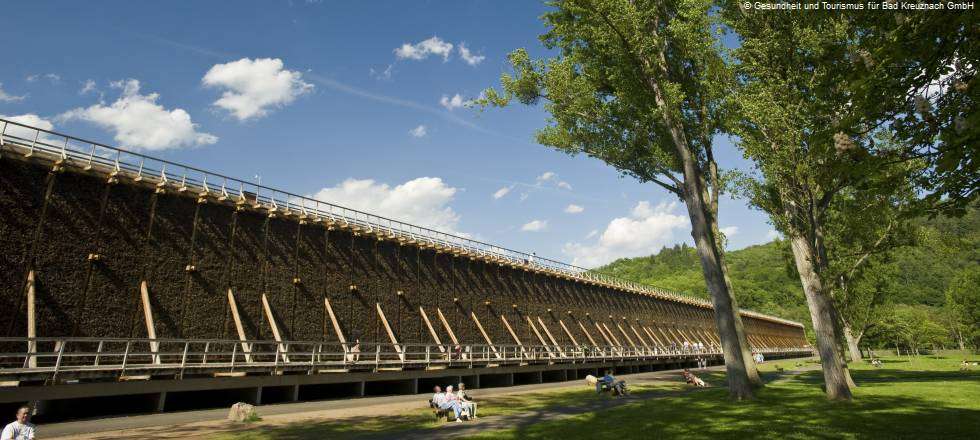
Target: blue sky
{"type": "Point", "coordinates": [327, 99]}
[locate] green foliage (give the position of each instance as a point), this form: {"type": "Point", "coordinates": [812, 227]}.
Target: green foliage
{"type": "Point", "coordinates": [765, 280]}
{"type": "Point", "coordinates": [758, 274]}
{"type": "Point", "coordinates": [963, 305]}
{"type": "Point", "coordinates": [917, 74]}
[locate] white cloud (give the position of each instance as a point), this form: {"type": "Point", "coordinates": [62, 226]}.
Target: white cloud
{"type": "Point", "coordinates": [54, 78]}
{"type": "Point", "coordinates": [643, 232]}
{"type": "Point", "coordinates": [418, 132]}
{"type": "Point", "coordinates": [88, 86]}
{"type": "Point", "coordinates": [139, 122]}
{"type": "Point", "coordinates": [452, 103]}
{"type": "Point", "coordinates": [729, 231]}
{"type": "Point", "coordinates": [773, 234]}
{"type": "Point", "coordinates": [574, 209]}
{"type": "Point", "coordinates": [252, 87]}
{"type": "Point", "coordinates": [592, 233]}
{"type": "Point", "coordinates": [423, 201]}
{"type": "Point", "coordinates": [26, 119]}
{"type": "Point", "coordinates": [5, 97]}
{"type": "Point", "coordinates": [422, 49]}
{"type": "Point", "coordinates": [468, 56]}
{"type": "Point", "coordinates": [535, 226]}
{"type": "Point", "coordinates": [524, 196]}
{"type": "Point", "coordinates": [501, 192]}
{"type": "Point", "coordinates": [549, 177]}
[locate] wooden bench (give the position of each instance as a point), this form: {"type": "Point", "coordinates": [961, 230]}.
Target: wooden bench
{"type": "Point", "coordinates": [440, 413]}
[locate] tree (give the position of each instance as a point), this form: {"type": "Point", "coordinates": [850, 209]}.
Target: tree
{"type": "Point", "coordinates": [641, 86]}
{"type": "Point", "coordinates": [963, 307]}
{"type": "Point", "coordinates": [916, 74]}
{"type": "Point", "coordinates": [822, 180]}
{"type": "Point", "coordinates": [862, 301]}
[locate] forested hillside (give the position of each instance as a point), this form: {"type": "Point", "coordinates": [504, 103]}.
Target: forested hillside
{"type": "Point", "coordinates": [947, 252]}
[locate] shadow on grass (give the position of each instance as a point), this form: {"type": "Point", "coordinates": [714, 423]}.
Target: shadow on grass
{"type": "Point", "coordinates": [891, 404]}
{"type": "Point", "coordinates": [781, 412]}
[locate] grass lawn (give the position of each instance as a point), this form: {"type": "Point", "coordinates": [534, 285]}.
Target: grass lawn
{"type": "Point", "coordinates": [927, 398]}
{"type": "Point", "coordinates": [923, 399]}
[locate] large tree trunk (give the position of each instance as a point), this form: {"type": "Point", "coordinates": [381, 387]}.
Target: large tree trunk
{"type": "Point", "coordinates": [740, 386]}
{"type": "Point", "coordinates": [852, 343]}
{"type": "Point", "coordinates": [743, 341]}
{"type": "Point", "coordinates": [822, 314]}
{"type": "Point", "coordinates": [693, 194]}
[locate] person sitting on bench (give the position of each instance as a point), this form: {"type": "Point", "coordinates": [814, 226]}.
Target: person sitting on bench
{"type": "Point", "coordinates": [465, 400]}
{"type": "Point", "coordinates": [441, 401]}
{"type": "Point", "coordinates": [609, 382]}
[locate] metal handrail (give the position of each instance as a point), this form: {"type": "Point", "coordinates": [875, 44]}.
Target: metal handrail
{"type": "Point", "coordinates": [141, 166]}
{"type": "Point", "coordinates": [75, 355]}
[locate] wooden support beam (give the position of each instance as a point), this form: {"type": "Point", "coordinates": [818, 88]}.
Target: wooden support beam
{"type": "Point", "coordinates": [335, 323]}
{"type": "Point", "coordinates": [151, 331]}
{"type": "Point", "coordinates": [432, 331]}
{"type": "Point", "coordinates": [540, 338]}
{"type": "Point", "coordinates": [512, 334]}
{"type": "Point", "coordinates": [676, 336]}
{"type": "Point", "coordinates": [233, 305]}
{"type": "Point", "coordinates": [587, 334]}
{"type": "Point", "coordinates": [551, 338]}
{"type": "Point", "coordinates": [275, 327]}
{"type": "Point", "coordinates": [625, 335]}
{"type": "Point", "coordinates": [611, 335]}
{"type": "Point", "coordinates": [449, 329]}
{"type": "Point", "coordinates": [31, 320]}
{"type": "Point", "coordinates": [391, 334]}
{"type": "Point", "coordinates": [652, 335]}
{"type": "Point", "coordinates": [568, 333]}
{"type": "Point", "coordinates": [483, 332]}
{"type": "Point", "coordinates": [640, 338]}
{"type": "Point", "coordinates": [603, 334]}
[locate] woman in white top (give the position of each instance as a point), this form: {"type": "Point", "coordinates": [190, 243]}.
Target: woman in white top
{"type": "Point", "coordinates": [465, 400]}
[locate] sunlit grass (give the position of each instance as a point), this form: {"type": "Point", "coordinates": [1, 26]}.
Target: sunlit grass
{"type": "Point", "coordinates": [925, 398]}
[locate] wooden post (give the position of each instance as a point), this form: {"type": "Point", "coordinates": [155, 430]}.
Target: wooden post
{"type": "Point", "coordinates": [449, 329]}
{"type": "Point", "coordinates": [151, 331]}
{"type": "Point", "coordinates": [432, 331]}
{"type": "Point", "coordinates": [233, 305]}
{"type": "Point", "coordinates": [31, 321]}
{"type": "Point", "coordinates": [275, 327]}
{"type": "Point", "coordinates": [551, 338]}
{"type": "Point", "coordinates": [391, 334]}
{"type": "Point", "coordinates": [484, 333]}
